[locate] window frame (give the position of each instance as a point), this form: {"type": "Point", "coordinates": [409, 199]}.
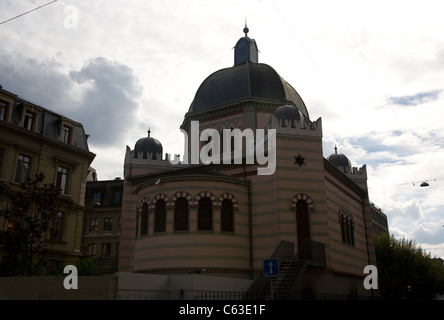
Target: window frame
{"type": "Point", "coordinates": [93, 228]}
{"type": "Point", "coordinates": [58, 229]}
{"type": "Point", "coordinates": [347, 227]}
{"type": "Point", "coordinates": [108, 224]}
{"type": "Point", "coordinates": [19, 170]}
{"type": "Point", "coordinates": [106, 251]}
{"type": "Point", "coordinates": [92, 250]}
{"type": "Point", "coordinates": [66, 134]}
{"type": "Point", "coordinates": [60, 182]}
{"type": "Point", "coordinates": [29, 120]}
{"type": "Point", "coordinates": [4, 108]}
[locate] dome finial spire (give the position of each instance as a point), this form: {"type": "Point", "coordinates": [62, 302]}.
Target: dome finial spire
{"type": "Point", "coordinates": [149, 131]}
{"type": "Point", "coordinates": [336, 150]}
{"type": "Point", "coordinates": [246, 28]}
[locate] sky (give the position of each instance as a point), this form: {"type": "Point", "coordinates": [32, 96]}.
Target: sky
{"type": "Point", "coordinates": [372, 70]}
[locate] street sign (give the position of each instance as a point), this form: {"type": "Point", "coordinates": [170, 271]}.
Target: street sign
{"type": "Point", "coordinates": [271, 267]}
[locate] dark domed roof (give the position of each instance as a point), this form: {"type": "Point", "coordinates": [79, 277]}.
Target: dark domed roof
{"type": "Point", "coordinates": [147, 145]}
{"type": "Point", "coordinates": [340, 161]}
{"type": "Point", "coordinates": [246, 80]}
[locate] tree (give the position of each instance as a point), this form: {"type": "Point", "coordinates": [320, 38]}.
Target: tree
{"type": "Point", "coordinates": [405, 270]}
{"type": "Point", "coordinates": [30, 216]}
{"type": "Point", "coordinates": [87, 267]}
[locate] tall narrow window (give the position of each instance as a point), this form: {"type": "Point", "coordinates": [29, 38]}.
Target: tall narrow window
{"type": "Point", "coordinates": [62, 179]}
{"type": "Point", "coordinates": [160, 216]}
{"type": "Point", "coordinates": [97, 198]}
{"type": "Point", "coordinates": [108, 224]}
{"type": "Point", "coordinates": [3, 110]}
{"type": "Point", "coordinates": [57, 227]}
{"type": "Point", "coordinates": [205, 214]}
{"type": "Point", "coordinates": [181, 214]}
{"type": "Point", "coordinates": [93, 225]}
{"type": "Point", "coordinates": [28, 122]}
{"type": "Point", "coordinates": [227, 221]}
{"type": "Point", "coordinates": [2, 159]}
{"type": "Point", "coordinates": [116, 196]}
{"type": "Point", "coordinates": [106, 250]}
{"type": "Point", "coordinates": [347, 227]}
{"type": "Point", "coordinates": [92, 250]}
{"type": "Point", "coordinates": [23, 166]}
{"type": "Point", "coordinates": [144, 220]}
{"type": "Point", "coordinates": [66, 134]}
{"type": "Point", "coordinates": [343, 228]}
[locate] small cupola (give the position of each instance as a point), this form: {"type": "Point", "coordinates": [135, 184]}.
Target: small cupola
{"type": "Point", "coordinates": [340, 161]}
{"type": "Point", "coordinates": [246, 49]}
{"type": "Point", "coordinates": [148, 147]}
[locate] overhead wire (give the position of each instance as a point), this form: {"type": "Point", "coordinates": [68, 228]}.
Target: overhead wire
{"type": "Point", "coordinates": [363, 56]}
{"type": "Point", "coordinates": [20, 15]}
{"type": "Point", "coordinates": [314, 63]}
{"type": "Point", "coordinates": [376, 80]}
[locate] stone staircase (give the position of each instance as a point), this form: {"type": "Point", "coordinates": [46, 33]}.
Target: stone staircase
{"type": "Point", "coordinates": [291, 268]}
{"type": "Point", "coordinates": [279, 288]}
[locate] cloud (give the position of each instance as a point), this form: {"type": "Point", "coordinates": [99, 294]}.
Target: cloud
{"type": "Point", "coordinates": [110, 101]}
{"type": "Point", "coordinates": [431, 233]}
{"type": "Point", "coordinates": [103, 95]}
{"type": "Point", "coordinates": [417, 99]}
{"type": "Point", "coordinates": [40, 81]}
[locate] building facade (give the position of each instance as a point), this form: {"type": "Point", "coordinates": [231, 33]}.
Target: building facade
{"type": "Point", "coordinates": [227, 217]}
{"type": "Point", "coordinates": [101, 226]}
{"type": "Point", "coordinates": [379, 218]}
{"type": "Point", "coordinates": [35, 140]}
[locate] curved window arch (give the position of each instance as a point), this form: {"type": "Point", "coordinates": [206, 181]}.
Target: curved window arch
{"type": "Point", "coordinates": [227, 215]}
{"type": "Point", "coordinates": [205, 214]}
{"type": "Point", "coordinates": [181, 214]}
{"type": "Point", "coordinates": [160, 216]}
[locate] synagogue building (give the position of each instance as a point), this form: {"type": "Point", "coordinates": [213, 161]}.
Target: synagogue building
{"type": "Point", "coordinates": [309, 213]}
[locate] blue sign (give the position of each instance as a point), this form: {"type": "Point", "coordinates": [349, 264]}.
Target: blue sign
{"type": "Point", "coordinates": [271, 267]}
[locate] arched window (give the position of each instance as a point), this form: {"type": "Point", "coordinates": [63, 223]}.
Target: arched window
{"type": "Point", "coordinates": [227, 216]}
{"type": "Point", "coordinates": [205, 214]}
{"type": "Point", "coordinates": [144, 220]}
{"type": "Point", "coordinates": [181, 214]}
{"type": "Point", "coordinates": [347, 227]}
{"type": "Point", "coordinates": [160, 216]}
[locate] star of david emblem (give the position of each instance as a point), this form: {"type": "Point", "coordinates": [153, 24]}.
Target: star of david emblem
{"type": "Point", "coordinates": [300, 160]}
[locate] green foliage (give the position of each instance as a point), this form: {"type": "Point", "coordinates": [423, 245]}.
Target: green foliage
{"type": "Point", "coordinates": [405, 270]}
{"type": "Point", "coordinates": [87, 267]}
{"type": "Point", "coordinates": [29, 217]}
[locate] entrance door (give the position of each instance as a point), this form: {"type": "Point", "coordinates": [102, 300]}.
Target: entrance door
{"type": "Point", "coordinates": [303, 228]}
